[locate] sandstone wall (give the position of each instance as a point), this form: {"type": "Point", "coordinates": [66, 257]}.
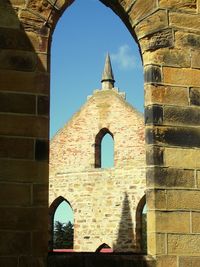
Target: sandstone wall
{"type": "Point", "coordinates": [167, 33]}
{"type": "Point", "coordinates": [104, 201]}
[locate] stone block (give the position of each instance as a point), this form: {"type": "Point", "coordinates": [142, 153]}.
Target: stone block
{"type": "Point", "coordinates": [40, 194]}
{"type": "Point", "coordinates": [181, 76]}
{"type": "Point", "coordinates": [154, 155]}
{"type": "Point", "coordinates": [189, 261]}
{"type": "Point", "coordinates": [19, 171]}
{"type": "Point", "coordinates": [157, 40]}
{"type": "Point", "coordinates": [17, 103]}
{"type": "Point", "coordinates": [195, 222]}
{"type": "Point", "coordinates": [9, 261]}
{"type": "Point", "coordinates": [156, 243]}
{"type": "Point", "coordinates": [168, 57]}
{"type": "Point", "coordinates": [194, 95]}
{"type": "Point", "coordinates": [182, 158]}
{"type": "Point", "coordinates": [153, 114]}
{"type": "Point", "coordinates": [141, 9]}
{"type": "Point", "coordinates": [183, 20]}
{"type": "Point", "coordinates": [170, 177]}
{"type": "Point", "coordinates": [37, 42]}
{"type": "Point", "coordinates": [43, 7]}
{"type": "Point", "coordinates": [153, 23]}
{"type": "Point", "coordinates": [41, 150]}
{"type": "Point", "coordinates": [15, 194]}
{"type": "Point", "coordinates": [194, 59]}
{"type": "Point", "coordinates": [156, 199]}
{"type": "Point", "coordinates": [12, 4]}
{"type": "Point", "coordinates": [16, 148]}
{"type": "Point", "coordinates": [24, 82]}
{"type": "Point", "coordinates": [126, 4]}
{"type": "Point", "coordinates": [198, 178]}
{"type": "Point", "coordinates": [173, 136]}
{"type": "Point", "coordinates": [23, 219]}
{"type": "Point", "coordinates": [18, 60]}
{"type": "Point", "coordinates": [43, 105]}
{"type": "Point", "coordinates": [183, 199]}
{"type": "Point", "coordinates": [188, 40]}
{"type": "Point", "coordinates": [8, 17]}
{"type": "Point", "coordinates": [181, 116]}
{"type": "Point", "coordinates": [152, 74]}
{"type": "Point", "coordinates": [166, 95]}
{"type": "Point", "coordinates": [184, 244]}
{"type": "Point", "coordinates": [151, 219]}
{"type": "Point", "coordinates": [28, 14]}
{"type": "Point", "coordinates": [43, 62]}
{"type": "Point", "coordinates": [15, 243]}
{"type": "Point", "coordinates": [179, 5]}
{"type": "Point", "coordinates": [15, 39]}
{"type": "Point", "coordinates": [25, 261]}
{"type": "Point", "coordinates": [172, 222]}
{"type": "Point", "coordinates": [166, 261]}
{"type": "Point", "coordinates": [30, 126]}
{"type": "Point", "coordinates": [40, 248]}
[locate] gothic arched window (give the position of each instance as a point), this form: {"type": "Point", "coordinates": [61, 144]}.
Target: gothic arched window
{"type": "Point", "coordinates": [61, 225]}
{"type": "Point", "coordinates": [104, 149]}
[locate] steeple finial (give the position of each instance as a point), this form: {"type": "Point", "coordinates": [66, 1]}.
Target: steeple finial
{"type": "Point", "coordinates": [107, 77]}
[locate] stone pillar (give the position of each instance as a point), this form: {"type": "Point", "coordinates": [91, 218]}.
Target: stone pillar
{"type": "Point", "coordinates": [172, 80]}
{"type": "Point", "coordinates": [24, 123]}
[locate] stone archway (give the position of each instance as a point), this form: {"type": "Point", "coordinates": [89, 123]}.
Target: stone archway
{"type": "Point", "coordinates": [168, 34]}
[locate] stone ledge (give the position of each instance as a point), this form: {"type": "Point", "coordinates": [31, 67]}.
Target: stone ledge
{"type": "Point", "coordinates": [84, 259]}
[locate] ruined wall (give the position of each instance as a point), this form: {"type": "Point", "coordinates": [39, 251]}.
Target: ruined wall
{"type": "Point", "coordinates": [168, 34]}
{"type": "Point", "coordinates": [104, 201]}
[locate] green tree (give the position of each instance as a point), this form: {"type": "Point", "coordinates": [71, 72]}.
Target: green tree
{"type": "Point", "coordinates": [63, 235]}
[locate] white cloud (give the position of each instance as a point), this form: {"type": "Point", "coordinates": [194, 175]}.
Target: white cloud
{"type": "Point", "coordinates": [124, 58]}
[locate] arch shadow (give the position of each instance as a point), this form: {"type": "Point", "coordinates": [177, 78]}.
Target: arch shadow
{"type": "Point", "coordinates": [139, 226]}
{"type": "Point", "coordinates": [104, 248]}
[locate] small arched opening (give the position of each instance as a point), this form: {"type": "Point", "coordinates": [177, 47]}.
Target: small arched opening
{"type": "Point", "coordinates": [104, 149]}
{"type": "Point", "coordinates": [61, 226]}
{"type": "Point", "coordinates": [141, 225]}
{"type": "Point", "coordinates": [104, 248]}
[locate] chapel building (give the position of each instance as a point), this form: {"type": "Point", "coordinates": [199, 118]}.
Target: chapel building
{"type": "Point", "coordinates": [107, 202]}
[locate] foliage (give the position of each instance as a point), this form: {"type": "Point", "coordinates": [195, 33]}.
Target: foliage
{"type": "Point", "coordinates": [63, 235]}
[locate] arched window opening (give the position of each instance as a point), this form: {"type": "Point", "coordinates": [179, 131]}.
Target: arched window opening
{"type": "Point", "coordinates": [104, 248]}
{"type": "Point", "coordinates": [104, 149]}
{"type": "Point", "coordinates": [141, 225]}
{"type": "Point", "coordinates": [62, 226]}
{"type": "Point", "coordinates": [69, 59]}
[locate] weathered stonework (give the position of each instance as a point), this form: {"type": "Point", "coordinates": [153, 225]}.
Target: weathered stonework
{"type": "Point", "coordinates": [170, 82]}
{"type": "Point", "coordinates": [104, 201]}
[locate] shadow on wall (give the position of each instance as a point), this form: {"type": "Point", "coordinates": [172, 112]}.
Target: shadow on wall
{"type": "Point", "coordinates": [16, 36]}
{"type": "Point", "coordinates": [125, 239]}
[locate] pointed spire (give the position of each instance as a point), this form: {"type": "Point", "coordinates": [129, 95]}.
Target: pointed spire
{"type": "Point", "coordinates": [107, 77]}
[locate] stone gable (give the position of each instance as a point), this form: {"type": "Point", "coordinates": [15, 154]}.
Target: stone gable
{"type": "Point", "coordinates": [104, 201]}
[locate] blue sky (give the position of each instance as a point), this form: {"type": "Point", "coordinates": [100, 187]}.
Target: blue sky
{"type": "Point", "coordinates": [84, 34]}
